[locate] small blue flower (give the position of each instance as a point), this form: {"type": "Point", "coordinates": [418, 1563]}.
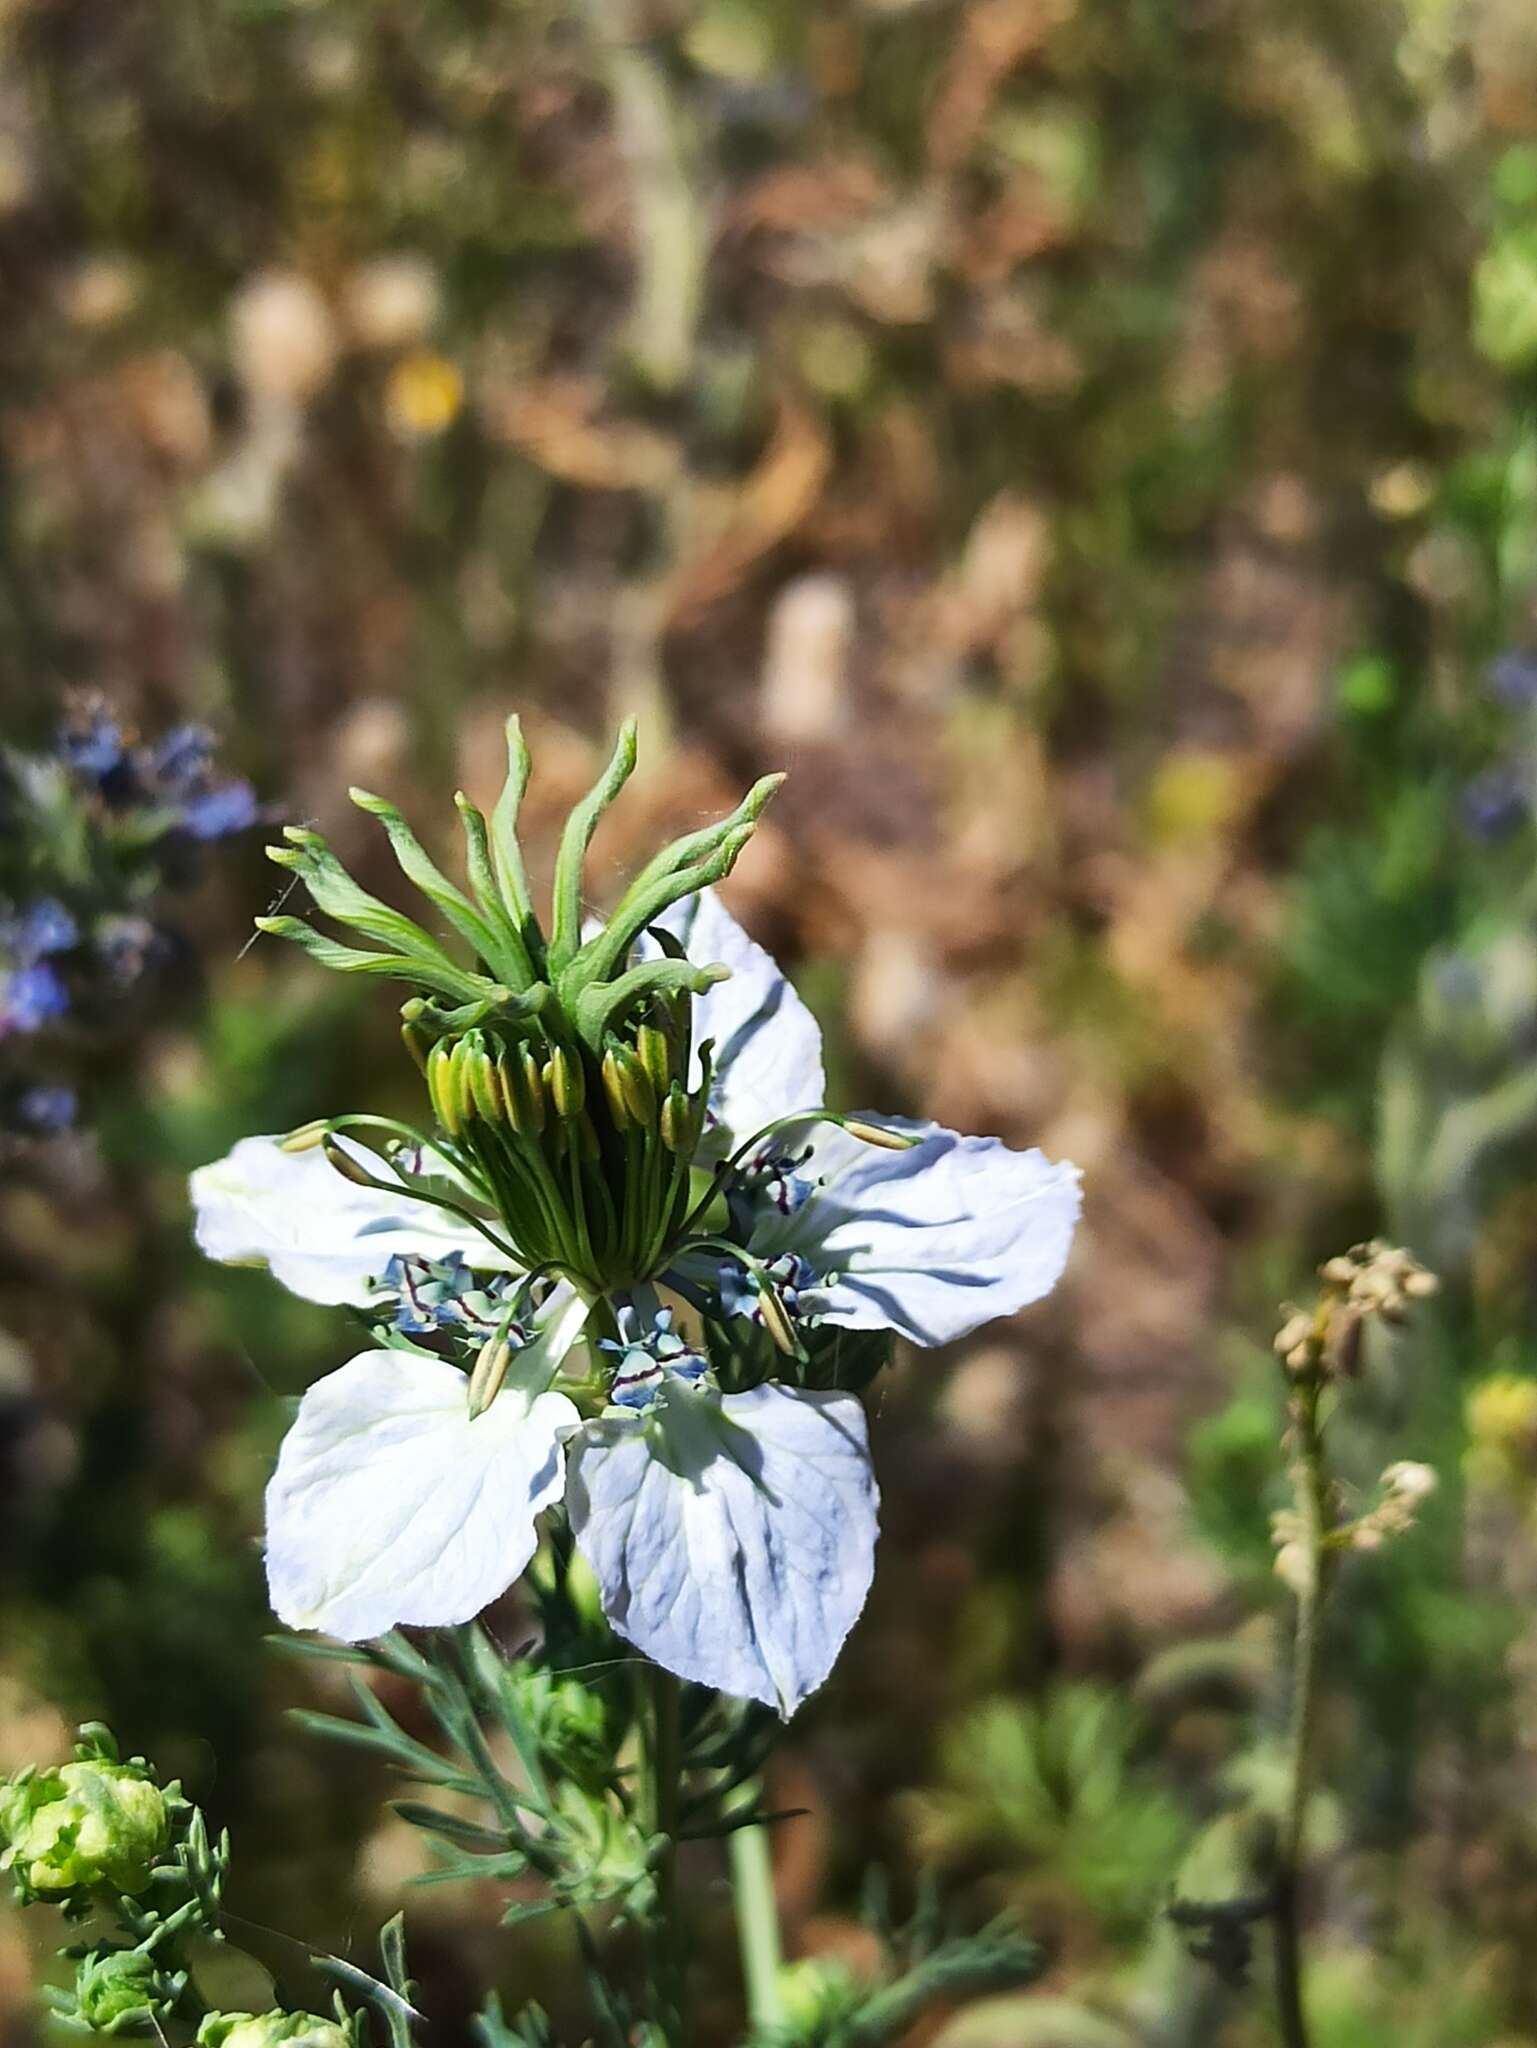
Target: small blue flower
{"type": "Point", "coordinates": [1513, 677]}
{"type": "Point", "coordinates": [1494, 803]}
{"type": "Point", "coordinates": [44, 927]}
{"type": "Point", "coordinates": [32, 997]}
{"type": "Point", "coordinates": [219, 812]}
{"type": "Point", "coordinates": [94, 748]}
{"type": "Point", "coordinates": [45, 1110]}
{"type": "Point", "coordinates": [181, 761]}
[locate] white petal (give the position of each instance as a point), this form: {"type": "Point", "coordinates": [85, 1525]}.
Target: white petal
{"type": "Point", "coordinates": [930, 1242]}
{"type": "Point", "coordinates": [733, 1540]}
{"type": "Point", "coordinates": [768, 1049]}
{"type": "Point", "coordinates": [391, 1503]}
{"type": "Point", "coordinates": [326, 1239]}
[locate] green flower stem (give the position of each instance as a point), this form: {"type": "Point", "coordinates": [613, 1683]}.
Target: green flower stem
{"type": "Point", "coordinates": [668, 1934]}
{"type": "Point", "coordinates": [1311, 1481]}
{"type": "Point", "coordinates": [757, 1923]}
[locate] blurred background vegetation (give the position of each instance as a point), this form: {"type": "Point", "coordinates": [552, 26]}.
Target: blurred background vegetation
{"type": "Point", "coordinates": [1089, 443]}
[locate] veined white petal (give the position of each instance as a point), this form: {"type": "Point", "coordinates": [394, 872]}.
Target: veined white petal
{"type": "Point", "coordinates": [733, 1539]}
{"type": "Point", "coordinates": [768, 1049]}
{"type": "Point", "coordinates": [325, 1238]}
{"type": "Point", "coordinates": [930, 1242]}
{"type": "Point", "coordinates": [391, 1503]}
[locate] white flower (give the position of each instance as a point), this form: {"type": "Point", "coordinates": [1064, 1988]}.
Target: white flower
{"type": "Point", "coordinates": [732, 1536]}
{"type": "Point", "coordinates": [768, 1050]}
{"type": "Point", "coordinates": [324, 1237]}
{"type": "Point", "coordinates": [931, 1241]}
{"type": "Point", "coordinates": [392, 1503]}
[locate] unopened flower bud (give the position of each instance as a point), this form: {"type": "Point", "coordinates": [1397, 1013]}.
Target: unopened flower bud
{"type": "Point", "coordinates": [1410, 1480]}
{"type": "Point", "coordinates": [524, 1091]}
{"type": "Point", "coordinates": [271, 2030]}
{"type": "Point", "coordinates": [613, 1089]}
{"type": "Point", "coordinates": [878, 1135]}
{"type": "Point", "coordinates": [343, 1163]}
{"type": "Point", "coordinates": [635, 1087]}
{"type": "Point", "coordinates": [679, 1122]}
{"type": "Point", "coordinates": [481, 1083]}
{"type": "Point", "coordinates": [306, 1137]}
{"type": "Point", "coordinates": [816, 1994]}
{"type": "Point", "coordinates": [652, 1050]}
{"type": "Point", "coordinates": [443, 1088]}
{"type": "Point", "coordinates": [566, 1080]}
{"type": "Point", "coordinates": [118, 1986]}
{"type": "Point", "coordinates": [418, 1042]}
{"type": "Point", "coordinates": [86, 1825]}
{"type": "Point", "coordinates": [1293, 1334]}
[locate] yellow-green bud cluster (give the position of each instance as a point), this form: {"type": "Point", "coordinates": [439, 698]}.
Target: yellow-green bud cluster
{"type": "Point", "coordinates": [585, 1156]}
{"type": "Point", "coordinates": [118, 1990]}
{"type": "Point", "coordinates": [93, 1825]}
{"type": "Point", "coordinates": [271, 2030]}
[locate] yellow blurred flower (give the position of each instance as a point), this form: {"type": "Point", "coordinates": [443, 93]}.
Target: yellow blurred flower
{"type": "Point", "coordinates": [1502, 1431]}
{"type": "Point", "coordinates": [423, 395]}
{"type": "Point", "coordinates": [1195, 795]}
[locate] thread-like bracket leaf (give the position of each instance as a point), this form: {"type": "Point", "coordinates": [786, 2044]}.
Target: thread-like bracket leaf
{"type": "Point", "coordinates": [566, 925]}
{"type": "Point", "coordinates": [423, 872]}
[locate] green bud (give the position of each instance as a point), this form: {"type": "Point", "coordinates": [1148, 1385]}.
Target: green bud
{"type": "Point", "coordinates": [635, 1086]}
{"type": "Point", "coordinates": [306, 1137]}
{"type": "Point", "coordinates": [523, 1090]}
{"type": "Point", "coordinates": [118, 1986]}
{"type": "Point", "coordinates": [816, 1993]}
{"type": "Point", "coordinates": [654, 1054]}
{"type": "Point", "coordinates": [343, 1163]}
{"type": "Point", "coordinates": [443, 1088]}
{"type": "Point", "coordinates": [480, 1082]}
{"type": "Point", "coordinates": [878, 1135]}
{"type": "Point", "coordinates": [613, 1088]}
{"type": "Point", "coordinates": [566, 1079]}
{"type": "Point", "coordinates": [86, 1825]}
{"type": "Point", "coordinates": [679, 1123]}
{"type": "Point", "coordinates": [417, 1042]}
{"type": "Point", "coordinates": [271, 2030]}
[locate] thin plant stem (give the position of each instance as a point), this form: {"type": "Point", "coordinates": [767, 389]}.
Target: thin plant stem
{"type": "Point", "coordinates": [757, 1926]}
{"type": "Point", "coordinates": [1311, 1481]}
{"type": "Point", "coordinates": [670, 1936]}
